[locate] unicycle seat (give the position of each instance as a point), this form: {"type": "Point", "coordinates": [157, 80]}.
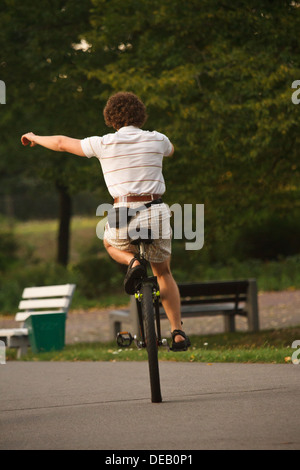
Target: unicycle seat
{"type": "Point", "coordinates": [145, 237]}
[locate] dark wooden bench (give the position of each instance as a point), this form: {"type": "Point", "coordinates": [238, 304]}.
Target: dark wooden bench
{"type": "Point", "coordinates": [198, 299]}
{"type": "Point", "coordinates": [227, 298]}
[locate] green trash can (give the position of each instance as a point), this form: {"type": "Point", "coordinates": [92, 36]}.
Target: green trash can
{"type": "Point", "coordinates": [46, 331]}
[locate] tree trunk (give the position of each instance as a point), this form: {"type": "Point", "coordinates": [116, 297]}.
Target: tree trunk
{"type": "Point", "coordinates": [65, 214]}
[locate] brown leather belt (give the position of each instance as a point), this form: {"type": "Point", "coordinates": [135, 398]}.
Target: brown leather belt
{"type": "Point", "coordinates": [137, 198]}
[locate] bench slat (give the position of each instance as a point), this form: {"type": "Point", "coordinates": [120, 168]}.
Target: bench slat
{"type": "Point", "coordinates": [62, 303]}
{"type": "Point", "coordinates": [7, 332]}
{"type": "Point", "coordinates": [214, 300]}
{"type": "Point", "coordinates": [208, 308]}
{"type": "Point", "coordinates": [65, 290]}
{"type": "Point", "coordinates": [197, 310]}
{"type": "Point", "coordinates": [121, 313]}
{"type": "Point", "coordinates": [22, 316]}
{"type": "Point", "coordinates": [213, 288]}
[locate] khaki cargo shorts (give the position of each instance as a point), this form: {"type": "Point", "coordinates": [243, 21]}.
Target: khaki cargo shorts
{"type": "Point", "coordinates": [156, 217]}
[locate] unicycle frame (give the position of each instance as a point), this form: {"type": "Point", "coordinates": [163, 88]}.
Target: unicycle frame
{"type": "Point", "coordinates": [152, 281]}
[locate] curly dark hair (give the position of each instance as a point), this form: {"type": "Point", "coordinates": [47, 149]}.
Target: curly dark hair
{"type": "Point", "coordinates": [124, 109]}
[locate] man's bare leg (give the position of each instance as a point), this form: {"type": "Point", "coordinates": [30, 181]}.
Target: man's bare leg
{"type": "Point", "coordinates": [121, 256]}
{"type": "Point", "coordinates": [170, 295]}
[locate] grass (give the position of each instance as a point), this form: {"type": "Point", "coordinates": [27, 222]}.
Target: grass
{"type": "Point", "coordinates": [40, 237]}
{"type": "Point", "coordinates": [270, 346]}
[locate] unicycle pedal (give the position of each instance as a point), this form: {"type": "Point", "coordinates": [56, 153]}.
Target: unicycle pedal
{"type": "Point", "coordinates": [124, 339]}
{"type": "Point", "coordinates": [165, 344]}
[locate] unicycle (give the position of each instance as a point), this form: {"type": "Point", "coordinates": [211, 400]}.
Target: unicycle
{"type": "Point", "coordinates": [147, 300]}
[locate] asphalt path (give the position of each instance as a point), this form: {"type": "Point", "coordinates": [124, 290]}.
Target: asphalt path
{"type": "Point", "coordinates": [106, 406]}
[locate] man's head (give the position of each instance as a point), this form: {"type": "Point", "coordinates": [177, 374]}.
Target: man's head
{"type": "Point", "coordinates": [124, 109]}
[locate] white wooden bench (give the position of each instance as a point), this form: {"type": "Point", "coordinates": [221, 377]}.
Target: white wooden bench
{"type": "Point", "coordinates": [36, 301]}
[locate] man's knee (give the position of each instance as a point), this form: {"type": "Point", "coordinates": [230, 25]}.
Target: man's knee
{"type": "Point", "coordinates": [106, 244]}
{"type": "Point", "coordinates": [161, 269]}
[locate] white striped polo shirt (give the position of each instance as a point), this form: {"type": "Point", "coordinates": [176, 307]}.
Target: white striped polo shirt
{"type": "Point", "coordinates": [131, 160]}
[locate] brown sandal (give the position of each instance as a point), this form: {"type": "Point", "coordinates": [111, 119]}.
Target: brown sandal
{"type": "Point", "coordinates": [181, 345]}
{"type": "Point", "coordinates": [138, 272]}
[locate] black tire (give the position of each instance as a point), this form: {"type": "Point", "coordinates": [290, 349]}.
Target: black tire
{"type": "Point", "coordinates": [151, 342]}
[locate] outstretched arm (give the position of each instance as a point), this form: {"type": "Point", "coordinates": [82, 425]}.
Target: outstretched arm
{"type": "Point", "coordinates": [59, 143]}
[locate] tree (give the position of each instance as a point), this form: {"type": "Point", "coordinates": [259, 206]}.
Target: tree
{"type": "Point", "coordinates": [216, 77]}
{"type": "Point", "coordinates": [47, 92]}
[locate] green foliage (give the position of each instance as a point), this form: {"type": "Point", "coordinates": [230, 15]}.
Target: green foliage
{"type": "Point", "coordinates": [99, 283]}
{"type": "Point", "coordinates": [47, 91]}
{"type": "Point", "coordinates": [222, 93]}
{"type": "Point", "coordinates": [271, 275]}
{"type": "Point", "coordinates": [98, 277]}
{"type": "Point", "coordinates": [14, 281]}
{"type": "Point", "coordinates": [8, 250]}
{"type": "Point", "coordinates": [272, 238]}
{"type": "Point", "coordinates": [216, 78]}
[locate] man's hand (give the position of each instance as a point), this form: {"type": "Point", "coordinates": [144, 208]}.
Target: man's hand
{"type": "Point", "coordinates": [28, 139]}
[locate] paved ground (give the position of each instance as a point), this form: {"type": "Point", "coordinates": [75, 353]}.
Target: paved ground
{"type": "Point", "coordinates": [107, 406]}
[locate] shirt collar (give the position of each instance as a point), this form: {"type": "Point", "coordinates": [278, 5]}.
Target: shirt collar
{"type": "Point", "coordinates": [125, 129]}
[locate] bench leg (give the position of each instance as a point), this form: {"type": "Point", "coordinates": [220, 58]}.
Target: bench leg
{"type": "Point", "coordinates": [22, 350]}
{"type": "Point", "coordinates": [252, 306]}
{"type": "Point", "coordinates": [134, 318]}
{"type": "Point", "coordinates": [116, 320]}
{"type": "Point", "coordinates": [115, 325]}
{"type": "Point", "coordinates": [229, 323]}
{"type": "Point", "coordinates": [21, 343]}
